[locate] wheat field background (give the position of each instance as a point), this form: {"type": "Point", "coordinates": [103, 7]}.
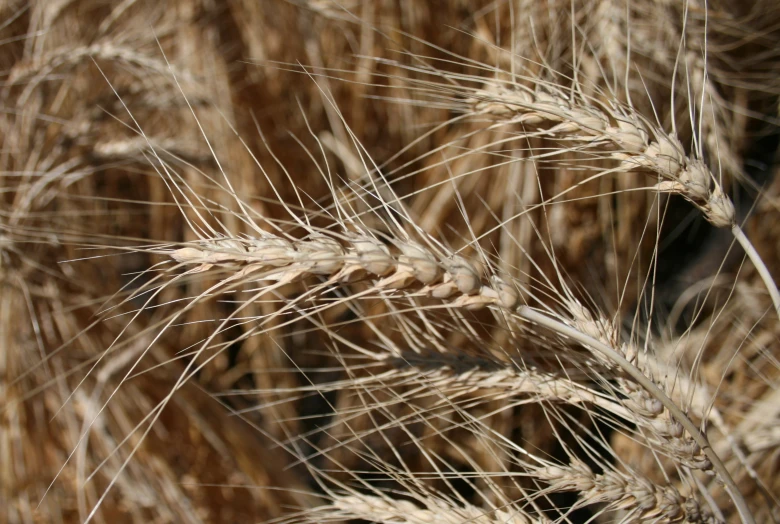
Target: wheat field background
{"type": "Point", "coordinates": [408, 261]}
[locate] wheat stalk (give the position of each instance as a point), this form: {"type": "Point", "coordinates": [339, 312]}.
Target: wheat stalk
{"type": "Point", "coordinates": [575, 121]}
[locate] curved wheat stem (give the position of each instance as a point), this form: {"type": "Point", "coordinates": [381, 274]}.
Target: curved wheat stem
{"type": "Point", "coordinates": [758, 263]}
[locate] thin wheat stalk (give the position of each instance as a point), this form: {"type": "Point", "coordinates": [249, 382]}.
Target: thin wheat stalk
{"type": "Point", "coordinates": [650, 410]}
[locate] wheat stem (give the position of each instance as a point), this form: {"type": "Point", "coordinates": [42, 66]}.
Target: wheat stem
{"type": "Point", "coordinates": [763, 271]}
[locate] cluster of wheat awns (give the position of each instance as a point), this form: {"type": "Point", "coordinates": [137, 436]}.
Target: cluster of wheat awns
{"type": "Point", "coordinates": [473, 261]}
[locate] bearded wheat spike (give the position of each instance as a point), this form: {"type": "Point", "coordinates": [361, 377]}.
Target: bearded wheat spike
{"type": "Point", "coordinates": [649, 412]}
{"type": "Point", "coordinates": [640, 498]}
{"type": "Point", "coordinates": [452, 378]}
{"type": "Point", "coordinates": [631, 140]}
{"type": "Point", "coordinates": [388, 510]}
{"type": "Point", "coordinates": [463, 375]}
{"type": "Point", "coordinates": [364, 258]}
{"type": "Point", "coordinates": [628, 136]}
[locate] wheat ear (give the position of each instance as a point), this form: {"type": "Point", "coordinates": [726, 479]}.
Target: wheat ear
{"type": "Point", "coordinates": [642, 499]}
{"type": "Point", "coordinates": [628, 136]}
{"type": "Point", "coordinates": [543, 320]}
{"type": "Point", "coordinates": [455, 376]}
{"type": "Point", "coordinates": [363, 258]}
{"type": "Point", "coordinates": [385, 509]}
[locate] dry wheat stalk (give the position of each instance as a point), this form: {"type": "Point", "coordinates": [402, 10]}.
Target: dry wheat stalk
{"type": "Point", "coordinates": [637, 145]}
{"type": "Point", "coordinates": [648, 411]}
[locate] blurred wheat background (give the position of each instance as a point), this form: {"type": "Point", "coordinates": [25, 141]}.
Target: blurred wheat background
{"type": "Point", "coordinates": [139, 385]}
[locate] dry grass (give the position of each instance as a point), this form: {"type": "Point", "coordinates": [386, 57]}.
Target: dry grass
{"type": "Point", "coordinates": [319, 261]}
